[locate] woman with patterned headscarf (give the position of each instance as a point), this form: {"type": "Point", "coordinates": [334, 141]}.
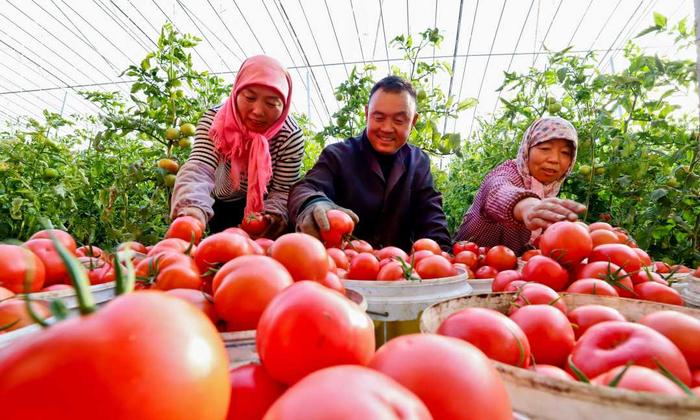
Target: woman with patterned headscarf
{"type": "Point", "coordinates": [519, 197]}
{"type": "Point", "coordinates": [246, 153]}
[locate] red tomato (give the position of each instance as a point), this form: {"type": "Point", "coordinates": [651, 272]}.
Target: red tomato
{"type": "Point", "coordinates": [696, 273]}
{"type": "Point", "coordinates": [434, 267]}
{"type": "Point", "coordinates": [639, 378]}
{"type": "Point", "coordinates": [303, 256]}
{"type": "Point", "coordinates": [339, 257]}
{"type": "Point", "coordinates": [391, 271]}
{"type": "Point", "coordinates": [186, 228]}
{"type": "Point", "coordinates": [486, 272]}
{"type": "Point", "coordinates": [545, 270]}
{"type": "Point", "coordinates": [537, 294]}
{"type": "Point", "coordinates": [661, 267]}
{"type": "Point", "coordinates": [55, 269]}
{"type": "Point", "coordinates": [265, 244]}
{"type": "Point", "coordinates": [552, 372]}
{"type": "Point", "coordinates": [253, 391]}
{"type": "Point", "coordinates": [610, 273]}
{"type": "Point", "coordinates": [614, 343]}
{"type": "Point", "coordinates": [171, 347]}
{"type": "Point", "coordinates": [656, 292]}
{"type": "Point", "coordinates": [584, 317]}
{"type": "Point", "coordinates": [391, 252]}
{"type": "Point", "coordinates": [501, 258]}
{"type": "Point", "coordinates": [89, 251]}
{"type": "Point", "coordinates": [348, 393]}
{"type": "Point", "coordinates": [599, 226]}
{"type": "Point", "coordinates": [467, 258]}
{"type": "Point", "coordinates": [619, 254]}
{"type": "Point", "coordinates": [644, 276]}
{"type": "Point", "coordinates": [447, 374]}
{"type": "Point", "coordinates": [199, 299]}
{"type": "Point", "coordinates": [237, 231]}
{"type": "Point", "coordinates": [515, 285]}
{"type": "Point", "coordinates": [490, 331]}
{"type": "Point", "coordinates": [503, 278]}
{"type": "Point", "coordinates": [64, 238]}
{"type": "Point", "coordinates": [169, 270]}
{"type": "Point", "coordinates": [644, 258]}
{"type": "Point", "coordinates": [695, 380]}
{"type": "Point", "coordinates": [602, 237]}
{"type": "Point", "coordinates": [254, 223]}
{"type": "Point", "coordinates": [364, 266]}
{"type": "Point", "coordinates": [245, 292]}
{"type": "Point", "coordinates": [460, 246]}
{"type": "Point", "coordinates": [17, 264]}
{"type": "Point", "coordinates": [332, 281]}
{"type": "Point", "coordinates": [529, 254]}
{"type": "Point", "coordinates": [361, 246]}
{"type": "Point", "coordinates": [340, 228]}
{"type": "Point", "coordinates": [168, 245]}
{"type": "Point", "coordinates": [219, 248]}
{"type": "Point", "coordinates": [680, 268]}
{"type": "Point", "coordinates": [350, 253]}
{"type": "Point", "coordinates": [14, 314]}
{"type": "Point", "coordinates": [419, 255]}
{"type": "Point", "coordinates": [592, 287]}
{"type": "Point", "coordinates": [566, 242]}
{"type": "Point", "coordinates": [308, 327]}
{"type": "Point", "coordinates": [98, 270]}
{"type": "Point", "coordinates": [683, 330]}
{"type": "Point", "coordinates": [426, 244]}
{"type": "Point", "coordinates": [140, 248]}
{"type": "Point", "coordinates": [548, 331]}
{"type": "Point", "coordinates": [56, 287]}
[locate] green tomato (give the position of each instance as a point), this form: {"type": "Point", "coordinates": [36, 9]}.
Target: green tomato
{"type": "Point", "coordinates": [338, 96]}
{"type": "Point", "coordinates": [600, 170]}
{"type": "Point", "coordinates": [169, 180]}
{"type": "Point", "coordinates": [172, 133]}
{"type": "Point", "coordinates": [185, 142]}
{"type": "Point", "coordinates": [584, 170]}
{"type": "Point", "coordinates": [550, 100]}
{"type": "Point", "coordinates": [673, 183]}
{"type": "Point", "coordinates": [554, 108]}
{"type": "Point", "coordinates": [188, 129]}
{"type": "Point", "coordinates": [4, 166]}
{"type": "Point", "coordinates": [50, 173]}
{"type": "Point", "coordinates": [422, 95]}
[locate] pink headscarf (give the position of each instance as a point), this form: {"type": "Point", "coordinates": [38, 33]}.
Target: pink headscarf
{"type": "Point", "coordinates": [540, 131]}
{"type": "Point", "coordinates": [247, 150]}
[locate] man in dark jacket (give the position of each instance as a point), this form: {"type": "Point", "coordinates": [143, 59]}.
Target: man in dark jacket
{"type": "Point", "coordinates": [382, 182]}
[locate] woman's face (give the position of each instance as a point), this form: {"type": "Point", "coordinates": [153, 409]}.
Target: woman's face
{"type": "Point", "coordinates": [550, 160]}
{"type": "Point", "coordinates": [260, 107]}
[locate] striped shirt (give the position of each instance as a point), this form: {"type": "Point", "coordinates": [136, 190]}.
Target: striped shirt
{"type": "Point", "coordinates": [205, 175]}
{"type": "Point", "coordinates": [490, 221]}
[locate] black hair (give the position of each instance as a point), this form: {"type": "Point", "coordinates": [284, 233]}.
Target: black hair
{"type": "Point", "coordinates": [394, 84]}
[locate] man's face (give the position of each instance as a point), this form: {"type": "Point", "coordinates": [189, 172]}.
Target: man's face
{"type": "Point", "coordinates": [390, 117]}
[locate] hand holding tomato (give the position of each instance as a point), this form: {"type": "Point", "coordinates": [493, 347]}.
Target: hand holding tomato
{"type": "Point", "coordinates": [536, 213]}
{"type": "Point", "coordinates": [314, 219]}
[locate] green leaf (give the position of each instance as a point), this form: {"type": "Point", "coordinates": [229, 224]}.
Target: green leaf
{"type": "Point", "coordinates": [647, 30]}
{"type": "Point", "coordinates": [659, 20]}
{"type": "Point", "coordinates": [658, 194]}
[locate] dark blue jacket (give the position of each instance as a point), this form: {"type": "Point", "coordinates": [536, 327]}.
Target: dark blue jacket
{"type": "Point", "coordinates": [394, 212]}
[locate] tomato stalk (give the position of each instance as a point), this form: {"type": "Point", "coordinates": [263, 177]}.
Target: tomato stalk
{"type": "Point", "coordinates": [124, 280]}
{"type": "Point", "coordinates": [667, 373]}
{"type": "Point", "coordinates": [86, 304]}
{"type": "Point", "coordinates": [580, 375]}
{"type": "Point", "coordinates": [616, 380]}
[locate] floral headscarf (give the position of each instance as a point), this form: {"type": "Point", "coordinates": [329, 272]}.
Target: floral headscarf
{"type": "Point", "coordinates": [540, 131]}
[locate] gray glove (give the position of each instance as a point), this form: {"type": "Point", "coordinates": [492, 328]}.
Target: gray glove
{"type": "Point", "coordinates": [313, 218]}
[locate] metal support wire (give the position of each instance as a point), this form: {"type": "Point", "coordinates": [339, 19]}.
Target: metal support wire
{"type": "Point", "coordinates": [34, 105]}
{"type": "Point", "coordinates": [228, 30]}
{"type": "Point", "coordinates": [126, 15]}
{"type": "Point", "coordinates": [178, 29]}
{"type": "Point", "coordinates": [488, 60]}
{"type": "Point", "coordinates": [148, 21]}
{"type": "Point", "coordinates": [551, 22]}
{"type": "Point", "coordinates": [432, 76]}
{"type": "Point", "coordinates": [249, 27]}
{"type": "Point", "coordinates": [454, 58]}
{"type": "Point", "coordinates": [300, 49]}
{"type": "Point", "coordinates": [605, 24]}
{"type": "Point", "coordinates": [386, 43]}
{"type": "Point", "coordinates": [620, 33]}
{"type": "Point", "coordinates": [517, 43]}
{"type": "Point", "coordinates": [189, 14]}
{"type": "Point", "coordinates": [46, 30]}
{"type": "Point", "coordinates": [466, 57]}
{"type": "Point", "coordinates": [113, 16]}
{"type": "Point", "coordinates": [289, 53]}
{"type": "Point", "coordinates": [357, 30]}
{"type": "Point", "coordinates": [630, 33]}
{"type": "Point", "coordinates": [335, 34]}
{"type": "Point", "coordinates": [579, 23]}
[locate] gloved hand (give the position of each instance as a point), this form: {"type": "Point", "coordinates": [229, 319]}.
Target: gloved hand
{"type": "Point", "coordinates": [276, 225]}
{"type": "Point", "coordinates": [313, 218]}
{"type": "Point", "coordinates": [194, 212]}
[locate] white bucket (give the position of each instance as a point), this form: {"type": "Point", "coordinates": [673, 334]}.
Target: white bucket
{"type": "Point", "coordinates": [101, 293]}
{"type": "Point", "coordinates": [542, 397]}
{"type": "Point", "coordinates": [480, 286]}
{"type": "Point", "coordinates": [404, 300]}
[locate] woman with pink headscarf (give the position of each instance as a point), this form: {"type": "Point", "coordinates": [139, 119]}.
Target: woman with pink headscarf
{"type": "Point", "coordinates": [519, 197]}
{"type": "Point", "coordinates": [246, 154]}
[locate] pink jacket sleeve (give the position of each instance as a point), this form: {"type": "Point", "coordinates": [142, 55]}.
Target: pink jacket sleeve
{"type": "Point", "coordinates": [503, 190]}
